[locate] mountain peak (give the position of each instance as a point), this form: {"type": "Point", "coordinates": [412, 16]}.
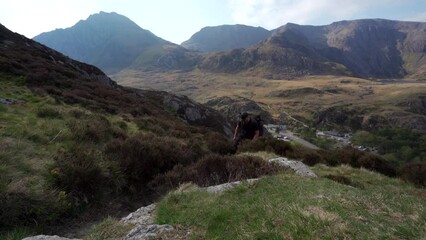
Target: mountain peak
{"type": "Point", "coordinates": [109, 41]}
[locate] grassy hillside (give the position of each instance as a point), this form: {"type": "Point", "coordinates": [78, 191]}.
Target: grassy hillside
{"type": "Point", "coordinates": [390, 103]}
{"type": "Point", "coordinates": [344, 203]}
{"type": "Point", "coordinates": [60, 161]}
{"type": "Point", "coordinates": [77, 163]}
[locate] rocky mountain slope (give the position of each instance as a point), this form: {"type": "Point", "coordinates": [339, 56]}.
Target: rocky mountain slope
{"type": "Point", "coordinates": [47, 69]}
{"type": "Point", "coordinates": [369, 48]}
{"type": "Point", "coordinates": [372, 48]}
{"type": "Point", "coordinates": [225, 37]}
{"type": "Point", "coordinates": [112, 42]}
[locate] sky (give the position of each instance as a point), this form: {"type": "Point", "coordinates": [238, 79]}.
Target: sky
{"type": "Point", "coordinates": [178, 20]}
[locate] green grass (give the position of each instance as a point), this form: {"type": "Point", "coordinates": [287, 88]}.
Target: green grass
{"type": "Point", "coordinates": [108, 229]}
{"type": "Point", "coordinates": [293, 207]}
{"type": "Point", "coordinates": [16, 234]}
{"type": "Point", "coordinates": [31, 135]}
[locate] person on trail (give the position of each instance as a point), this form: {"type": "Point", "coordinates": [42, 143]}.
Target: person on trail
{"type": "Point", "coordinates": [247, 128]}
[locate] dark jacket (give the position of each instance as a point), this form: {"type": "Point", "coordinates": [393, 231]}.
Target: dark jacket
{"type": "Point", "coordinates": [249, 129]}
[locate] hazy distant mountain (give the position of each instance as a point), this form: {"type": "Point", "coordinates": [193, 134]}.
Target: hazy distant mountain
{"type": "Point", "coordinates": [367, 48]}
{"type": "Point", "coordinates": [109, 41]}
{"type": "Point", "coordinates": [225, 37]}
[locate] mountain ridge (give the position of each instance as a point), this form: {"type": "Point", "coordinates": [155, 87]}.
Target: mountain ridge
{"type": "Point", "coordinates": [225, 37]}
{"type": "Point", "coordinates": [369, 48]}
{"type": "Point", "coordinates": [108, 40]}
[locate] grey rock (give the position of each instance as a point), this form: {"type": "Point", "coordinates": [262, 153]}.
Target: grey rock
{"type": "Point", "coordinates": [141, 217]}
{"type": "Point", "coordinates": [197, 114]}
{"type": "Point", "coordinates": [11, 101]}
{"type": "Point", "coordinates": [145, 228]}
{"type": "Point", "coordinates": [147, 232]}
{"type": "Point", "coordinates": [47, 237]}
{"type": "Point", "coordinates": [226, 186]}
{"type": "Point", "coordinates": [299, 167]}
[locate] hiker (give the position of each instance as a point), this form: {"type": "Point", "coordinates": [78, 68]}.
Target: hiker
{"type": "Point", "coordinates": [247, 128]}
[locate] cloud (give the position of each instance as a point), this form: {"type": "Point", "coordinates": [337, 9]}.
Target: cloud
{"type": "Point", "coordinates": [34, 17]}
{"type": "Point", "coordinates": [420, 17]}
{"type": "Point", "coordinates": [274, 13]}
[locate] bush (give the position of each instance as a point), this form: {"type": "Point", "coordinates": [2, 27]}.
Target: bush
{"type": "Point", "coordinates": [215, 169]}
{"type": "Point", "coordinates": [311, 158]}
{"type": "Point", "coordinates": [377, 164]}
{"type": "Point", "coordinates": [160, 126]}
{"type": "Point", "coordinates": [48, 112]}
{"type": "Point", "coordinates": [78, 173]}
{"type": "Point", "coordinates": [357, 159]}
{"type": "Point", "coordinates": [142, 157]}
{"type": "Point", "coordinates": [266, 144]}
{"type": "Point", "coordinates": [20, 209]}
{"type": "Point", "coordinates": [94, 128]}
{"type": "Point", "coordinates": [415, 173]}
{"type": "Point", "coordinates": [217, 143]}
{"type": "Point", "coordinates": [78, 114]}
{"type": "Point", "coordinates": [350, 156]}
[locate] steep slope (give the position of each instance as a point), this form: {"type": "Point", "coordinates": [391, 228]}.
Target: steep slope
{"type": "Point", "coordinates": [49, 70]}
{"type": "Point", "coordinates": [72, 140]}
{"type": "Point", "coordinates": [109, 41]}
{"type": "Point", "coordinates": [364, 48]}
{"type": "Point", "coordinates": [225, 37]}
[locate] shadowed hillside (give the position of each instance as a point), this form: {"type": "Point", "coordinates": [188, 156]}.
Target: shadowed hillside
{"type": "Point", "coordinates": [364, 48]}
{"type": "Point", "coordinates": [370, 48]}
{"type": "Point", "coordinates": [225, 37]}
{"type": "Point", "coordinates": [112, 42]}
{"type": "Point", "coordinates": [74, 142]}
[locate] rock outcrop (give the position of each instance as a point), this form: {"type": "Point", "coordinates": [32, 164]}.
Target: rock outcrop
{"type": "Point", "coordinates": [47, 237]}
{"type": "Point", "coordinates": [298, 167]}
{"type": "Point", "coordinates": [143, 220]}
{"type": "Point", "coordinates": [232, 107]}
{"type": "Point", "coordinates": [9, 101]}
{"type": "Point", "coordinates": [369, 48]}
{"type": "Point", "coordinates": [196, 113]}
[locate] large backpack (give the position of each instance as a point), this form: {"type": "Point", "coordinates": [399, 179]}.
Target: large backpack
{"type": "Point", "coordinates": [260, 123]}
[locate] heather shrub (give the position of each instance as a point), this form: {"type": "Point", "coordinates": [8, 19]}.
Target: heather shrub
{"type": "Point", "coordinates": [357, 159]}
{"type": "Point", "coordinates": [78, 114]}
{"type": "Point", "coordinates": [48, 112]}
{"type": "Point", "coordinates": [217, 143]}
{"type": "Point", "coordinates": [311, 158]}
{"type": "Point", "coordinates": [21, 209]}
{"type": "Point", "coordinates": [77, 172]}
{"type": "Point", "coordinates": [144, 156]}
{"type": "Point", "coordinates": [153, 124]}
{"type": "Point", "coordinates": [330, 158]}
{"type": "Point", "coordinates": [415, 173]}
{"type": "Point", "coordinates": [349, 156]}
{"type": "Point", "coordinates": [266, 144]}
{"type": "Point", "coordinates": [215, 169]}
{"type": "Point", "coordinates": [94, 128]}
{"type": "Point", "coordinates": [376, 163]}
